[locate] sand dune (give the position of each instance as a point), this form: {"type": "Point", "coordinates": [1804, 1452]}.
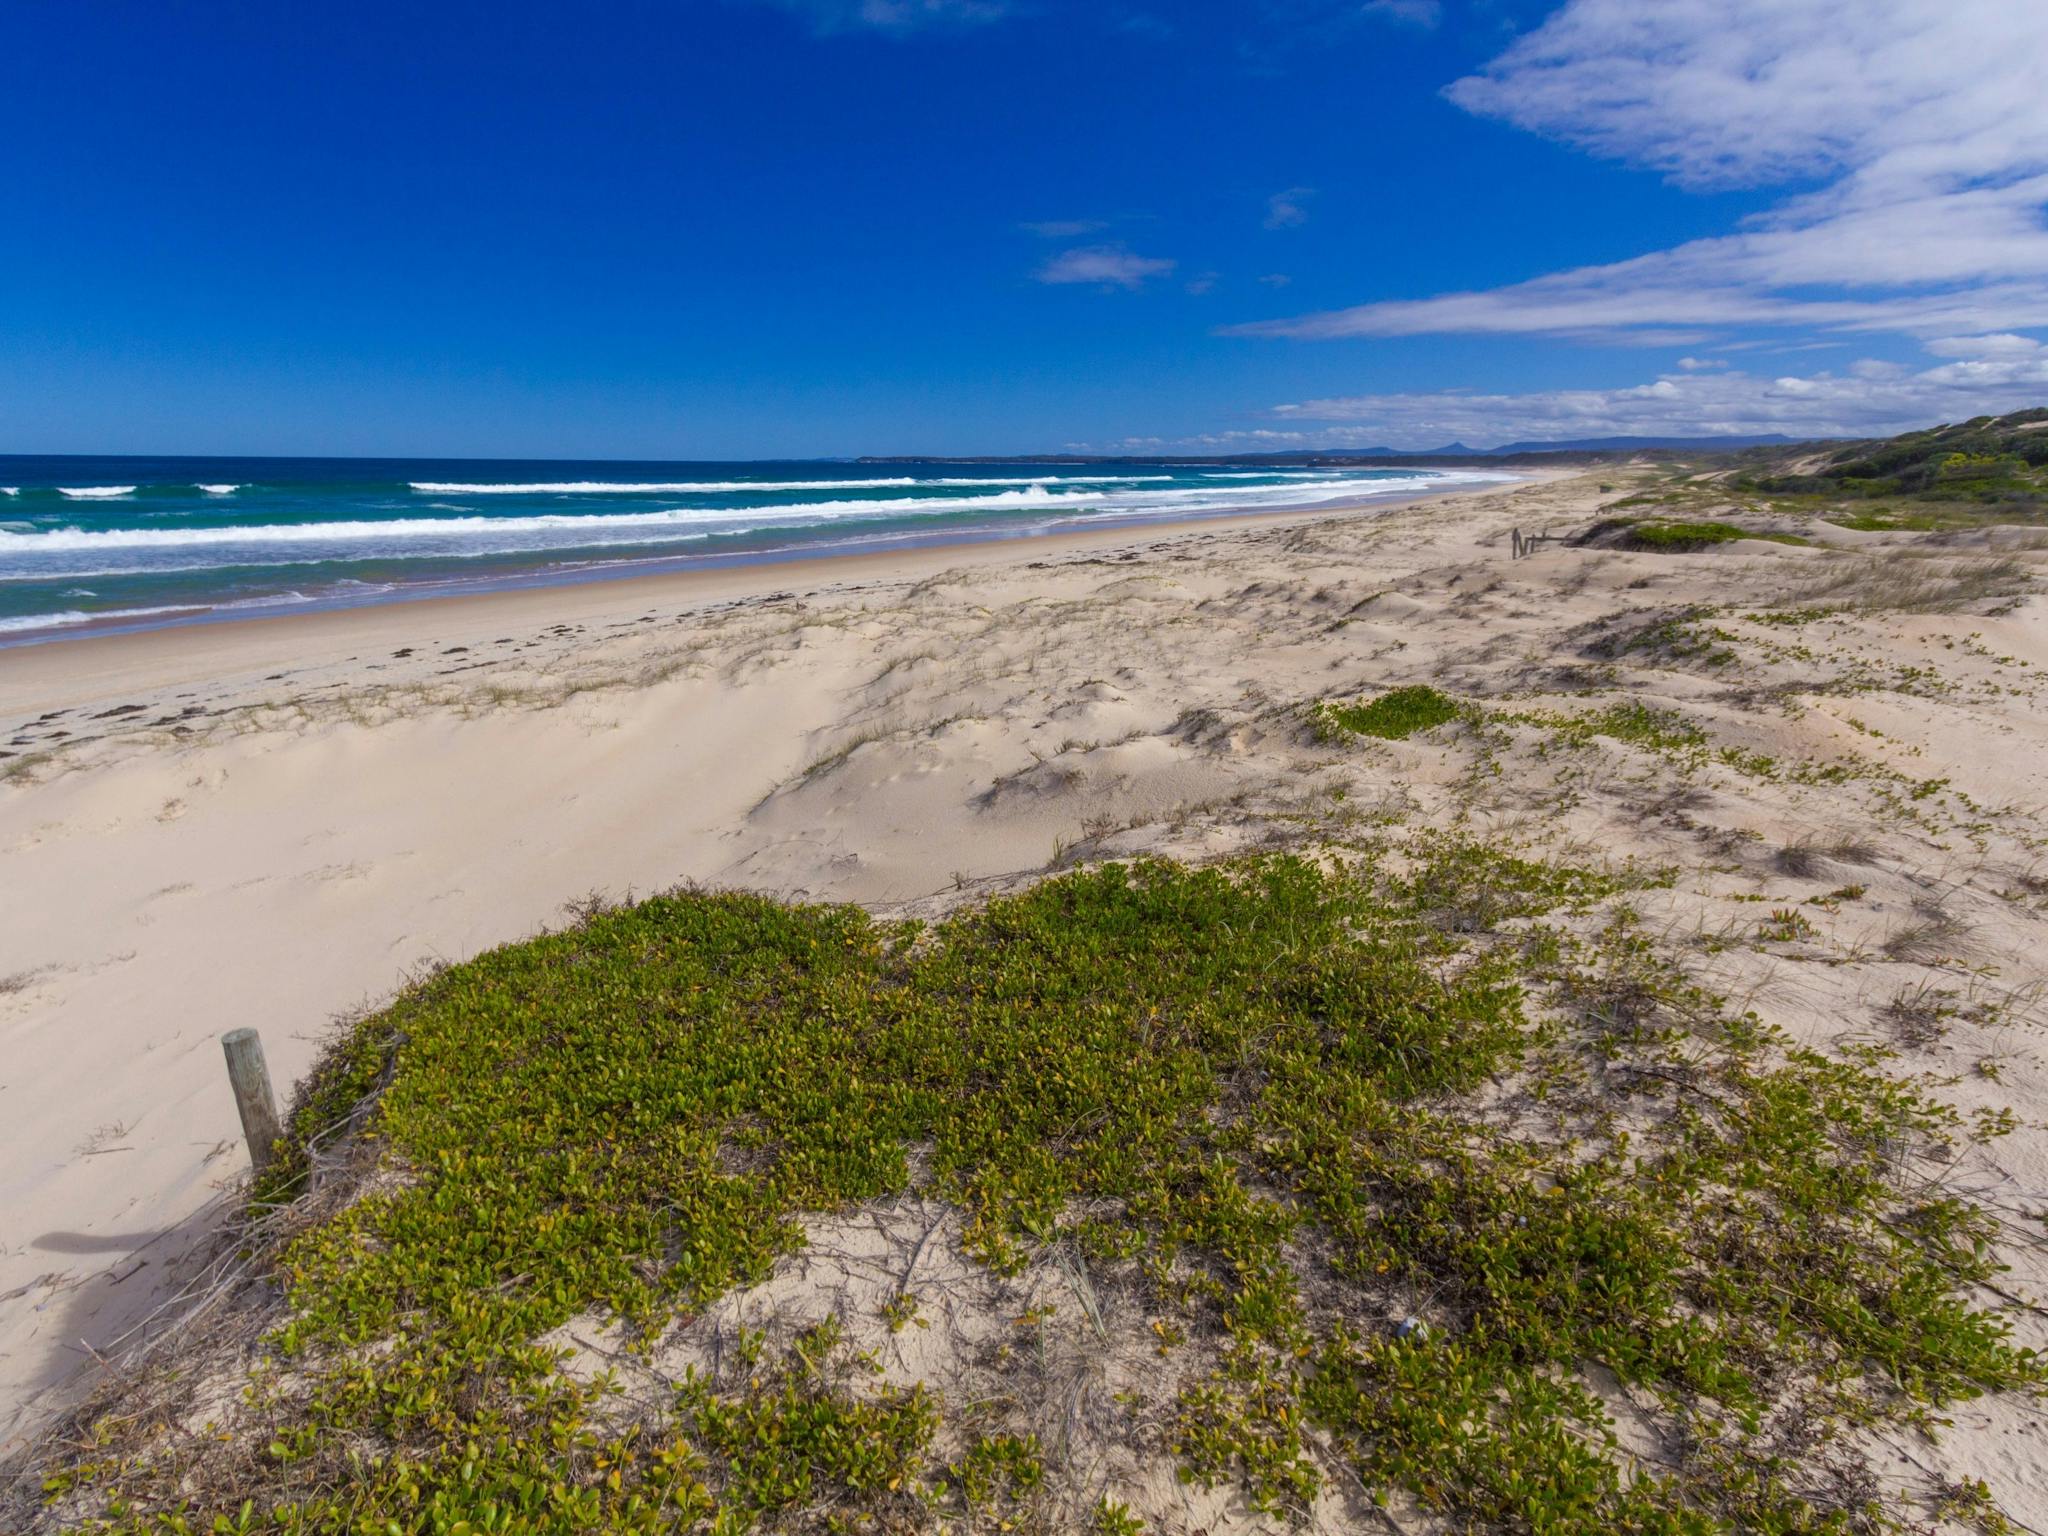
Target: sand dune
{"type": "Point", "coordinates": [273, 823]}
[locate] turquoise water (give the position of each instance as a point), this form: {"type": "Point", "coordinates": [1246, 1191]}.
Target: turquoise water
{"type": "Point", "coordinates": [131, 542]}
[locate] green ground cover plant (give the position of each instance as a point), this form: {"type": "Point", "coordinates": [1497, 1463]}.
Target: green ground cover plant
{"type": "Point", "coordinates": [1396, 714]}
{"type": "Point", "coordinates": [1413, 1155]}
{"type": "Point", "coordinates": [1882, 519]}
{"type": "Point", "coordinates": [1677, 536]}
{"type": "Point", "coordinates": [1636, 724]}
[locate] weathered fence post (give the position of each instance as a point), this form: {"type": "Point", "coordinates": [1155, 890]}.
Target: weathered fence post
{"type": "Point", "coordinates": [1516, 534]}
{"type": "Point", "coordinates": [250, 1079]}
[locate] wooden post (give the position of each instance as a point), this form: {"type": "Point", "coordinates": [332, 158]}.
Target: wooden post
{"type": "Point", "coordinates": [250, 1079]}
{"type": "Point", "coordinates": [1516, 535]}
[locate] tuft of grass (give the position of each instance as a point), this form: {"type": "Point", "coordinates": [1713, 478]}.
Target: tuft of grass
{"type": "Point", "coordinates": [1392, 716]}
{"type": "Point", "coordinates": [1806, 858]}
{"type": "Point", "coordinates": [1684, 636]}
{"type": "Point", "coordinates": [1919, 585]}
{"type": "Point", "coordinates": [1918, 1015]}
{"type": "Point", "coordinates": [1930, 936]}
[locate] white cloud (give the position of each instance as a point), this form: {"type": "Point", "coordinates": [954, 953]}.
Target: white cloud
{"type": "Point", "coordinates": [2002, 344]}
{"type": "Point", "coordinates": [1415, 13]}
{"type": "Point", "coordinates": [894, 15]}
{"type": "Point", "coordinates": [1924, 121]}
{"type": "Point", "coordinates": [1289, 209]}
{"type": "Point", "coordinates": [1107, 266]}
{"type": "Point", "coordinates": [1062, 229]}
{"type": "Point", "coordinates": [1869, 398]}
{"type": "Point", "coordinates": [1696, 364]}
{"type": "Point", "coordinates": [1747, 92]}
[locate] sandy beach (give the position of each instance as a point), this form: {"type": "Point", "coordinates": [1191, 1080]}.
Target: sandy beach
{"type": "Point", "coordinates": [274, 823]}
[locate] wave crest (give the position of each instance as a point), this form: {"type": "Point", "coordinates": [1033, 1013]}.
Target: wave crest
{"type": "Point", "coordinates": [478, 533]}
{"type": "Point", "coordinates": [421, 528]}
{"type": "Point", "coordinates": [743, 487]}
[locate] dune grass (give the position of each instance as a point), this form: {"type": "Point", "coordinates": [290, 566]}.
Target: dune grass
{"type": "Point", "coordinates": [1917, 584]}
{"type": "Point", "coordinates": [1269, 1095]}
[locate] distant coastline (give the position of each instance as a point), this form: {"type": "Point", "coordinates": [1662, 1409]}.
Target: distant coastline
{"type": "Point", "coordinates": [1571, 452]}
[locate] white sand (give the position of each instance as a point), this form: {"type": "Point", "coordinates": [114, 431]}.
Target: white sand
{"type": "Point", "coordinates": [299, 816]}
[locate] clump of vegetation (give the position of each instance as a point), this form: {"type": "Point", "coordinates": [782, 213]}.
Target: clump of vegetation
{"type": "Point", "coordinates": [1805, 858]}
{"type": "Point", "coordinates": [1786, 925]}
{"type": "Point", "coordinates": [1637, 724]}
{"type": "Point", "coordinates": [1392, 716]}
{"type": "Point", "coordinates": [1680, 537]}
{"type": "Point", "coordinates": [1882, 519]}
{"type": "Point", "coordinates": [1398, 1169]}
{"type": "Point", "coordinates": [1686, 636]}
{"type": "Point", "coordinates": [801, 1436]}
{"type": "Point", "coordinates": [1984, 463]}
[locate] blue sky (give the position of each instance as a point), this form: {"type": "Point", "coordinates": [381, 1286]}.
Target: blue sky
{"type": "Point", "coordinates": [735, 228]}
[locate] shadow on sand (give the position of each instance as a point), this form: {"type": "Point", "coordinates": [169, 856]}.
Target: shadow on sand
{"type": "Point", "coordinates": [96, 1321]}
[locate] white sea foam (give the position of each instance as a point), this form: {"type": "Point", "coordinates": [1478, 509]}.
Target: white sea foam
{"type": "Point", "coordinates": [477, 534]}
{"type": "Point", "coordinates": [220, 490]}
{"type": "Point", "coordinates": [426, 528]}
{"type": "Point", "coordinates": [731, 487]}
{"type": "Point", "coordinates": [622, 540]}
{"type": "Point", "coordinates": [70, 618]}
{"type": "Point", "coordinates": [43, 621]}
{"type": "Point", "coordinates": [96, 492]}
{"type": "Point", "coordinates": [73, 616]}
{"type": "Point", "coordinates": [10, 490]}
{"type": "Point", "coordinates": [823, 526]}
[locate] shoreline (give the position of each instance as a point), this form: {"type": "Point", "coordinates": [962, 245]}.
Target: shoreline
{"type": "Point", "coordinates": [658, 566]}
{"type": "Point", "coordinates": [128, 658]}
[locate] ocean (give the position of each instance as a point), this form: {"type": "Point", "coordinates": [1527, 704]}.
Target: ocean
{"type": "Point", "coordinates": [140, 542]}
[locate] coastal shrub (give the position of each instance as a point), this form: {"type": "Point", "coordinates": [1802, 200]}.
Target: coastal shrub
{"type": "Point", "coordinates": [1979, 464]}
{"type": "Point", "coordinates": [1351, 1129]}
{"type": "Point", "coordinates": [1393, 715]}
{"type": "Point", "coordinates": [1698, 535]}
